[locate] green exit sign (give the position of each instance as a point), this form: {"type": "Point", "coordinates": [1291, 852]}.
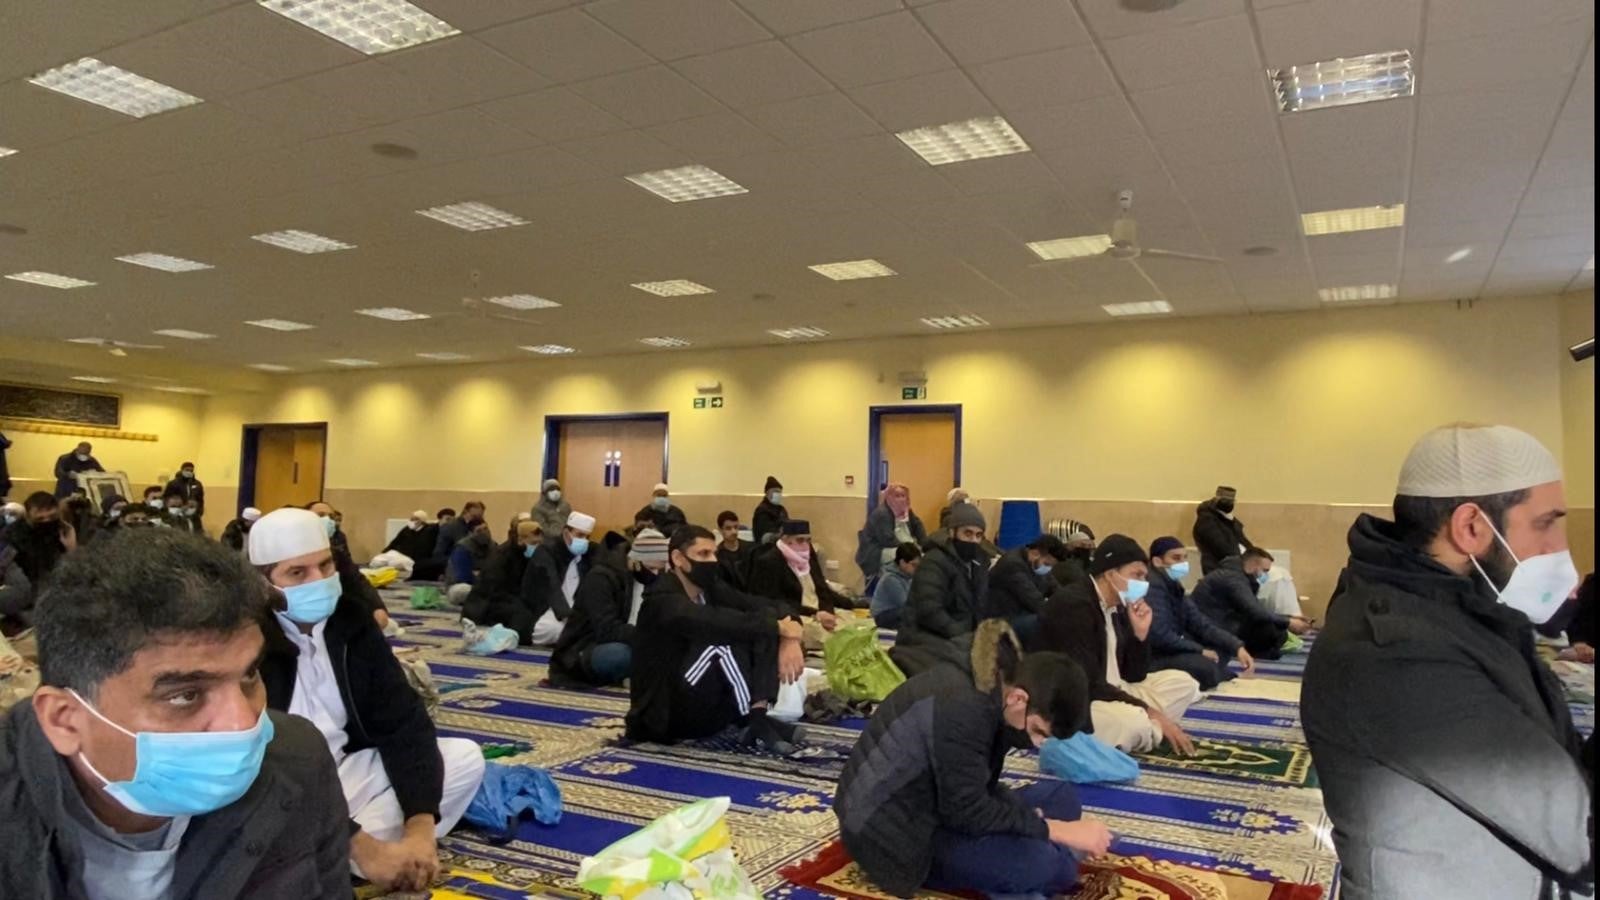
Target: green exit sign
{"type": "Point", "coordinates": [913, 393]}
{"type": "Point", "coordinates": [699, 403]}
{"type": "Point", "coordinates": [716, 402]}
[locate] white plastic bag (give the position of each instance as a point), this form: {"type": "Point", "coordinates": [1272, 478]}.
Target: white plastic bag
{"type": "Point", "coordinates": [685, 854]}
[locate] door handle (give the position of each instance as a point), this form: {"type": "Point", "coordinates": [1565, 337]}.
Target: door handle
{"type": "Point", "coordinates": [883, 474]}
{"type": "Point", "coordinates": [295, 479]}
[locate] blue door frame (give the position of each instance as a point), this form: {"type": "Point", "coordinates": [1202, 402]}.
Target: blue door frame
{"type": "Point", "coordinates": [552, 437]}
{"type": "Point", "coordinates": [875, 416]}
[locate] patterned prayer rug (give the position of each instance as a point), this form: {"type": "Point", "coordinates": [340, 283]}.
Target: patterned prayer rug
{"type": "Point", "coordinates": [1276, 764]}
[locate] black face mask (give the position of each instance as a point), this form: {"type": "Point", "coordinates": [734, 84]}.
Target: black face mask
{"type": "Point", "coordinates": [1018, 738]}
{"type": "Point", "coordinates": [1225, 504]}
{"type": "Point", "coordinates": [969, 551]}
{"type": "Point", "coordinates": [702, 574]}
{"type": "Point", "coordinates": [1082, 553]}
{"type": "Point", "coordinates": [645, 576]}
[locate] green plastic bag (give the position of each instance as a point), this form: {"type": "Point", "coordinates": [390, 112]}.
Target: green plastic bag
{"type": "Point", "coordinates": [685, 854]}
{"type": "Point", "coordinates": [426, 598]}
{"type": "Point", "coordinates": [858, 668]}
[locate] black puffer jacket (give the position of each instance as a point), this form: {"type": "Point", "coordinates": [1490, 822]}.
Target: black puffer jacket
{"type": "Point", "coordinates": [599, 614]}
{"type": "Point", "coordinates": [1014, 588]}
{"type": "Point", "coordinates": [1217, 535]}
{"type": "Point", "coordinates": [1227, 596]}
{"type": "Point", "coordinates": [947, 593]}
{"type": "Point", "coordinates": [1448, 760]}
{"type": "Point", "coordinates": [771, 577]}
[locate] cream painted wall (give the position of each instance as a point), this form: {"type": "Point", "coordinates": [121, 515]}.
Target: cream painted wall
{"type": "Point", "coordinates": [174, 418]}
{"type": "Point", "coordinates": [1313, 407]}
{"type": "Point", "coordinates": [1577, 398]}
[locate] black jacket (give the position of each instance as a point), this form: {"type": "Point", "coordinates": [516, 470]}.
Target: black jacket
{"type": "Point", "coordinates": [67, 466]}
{"type": "Point", "coordinates": [1073, 623]}
{"type": "Point", "coordinates": [236, 535]}
{"type": "Point", "coordinates": [1073, 569]}
{"type": "Point", "coordinates": [287, 838]}
{"type": "Point", "coordinates": [1227, 596]}
{"type": "Point", "coordinates": [417, 544]}
{"type": "Point", "coordinates": [771, 577]}
{"type": "Point", "coordinates": [542, 580]}
{"type": "Point", "coordinates": [599, 614]}
{"type": "Point", "coordinates": [767, 519]}
{"type": "Point", "coordinates": [1446, 752]}
{"type": "Point", "coordinates": [732, 565]}
{"type": "Point", "coordinates": [1217, 536]}
{"type": "Point", "coordinates": [497, 596]}
{"type": "Point", "coordinates": [947, 593]}
{"type": "Point", "coordinates": [930, 759]}
{"type": "Point", "coordinates": [5, 470]}
{"type": "Point", "coordinates": [673, 631]}
{"type": "Point", "coordinates": [382, 709]}
{"type": "Point", "coordinates": [665, 521]}
{"type": "Point", "coordinates": [38, 549]}
{"type": "Point", "coordinates": [1014, 588]}
{"type": "Point", "coordinates": [191, 489]}
{"type": "Point", "coordinates": [878, 536]}
{"type": "Point", "coordinates": [450, 534]}
{"type": "Point", "coordinates": [1178, 626]}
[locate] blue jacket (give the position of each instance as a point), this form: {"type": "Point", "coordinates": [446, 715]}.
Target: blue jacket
{"type": "Point", "coordinates": [1178, 626]}
{"type": "Point", "coordinates": [893, 588]}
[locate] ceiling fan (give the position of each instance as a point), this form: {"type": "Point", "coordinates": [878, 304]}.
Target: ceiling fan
{"type": "Point", "coordinates": [1125, 241]}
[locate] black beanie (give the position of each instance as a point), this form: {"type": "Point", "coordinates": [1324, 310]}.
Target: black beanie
{"type": "Point", "coordinates": [1115, 551]}
{"type": "Point", "coordinates": [772, 484]}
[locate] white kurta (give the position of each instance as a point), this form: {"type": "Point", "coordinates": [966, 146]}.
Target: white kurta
{"type": "Point", "coordinates": [125, 866]}
{"type": "Point", "coordinates": [1126, 726]}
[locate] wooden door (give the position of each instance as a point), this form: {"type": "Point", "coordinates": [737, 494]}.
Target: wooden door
{"type": "Point", "coordinates": [607, 468]}
{"type": "Point", "coordinates": [289, 462]}
{"type": "Point", "coordinates": [919, 451]}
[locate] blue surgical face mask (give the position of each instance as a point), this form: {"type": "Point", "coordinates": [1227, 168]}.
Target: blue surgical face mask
{"type": "Point", "coordinates": [555, 495]}
{"type": "Point", "coordinates": [1135, 591]}
{"type": "Point", "coordinates": [660, 503]}
{"type": "Point", "coordinates": [1261, 578]}
{"type": "Point", "coordinates": [187, 473]}
{"type": "Point", "coordinates": [189, 773]}
{"type": "Point", "coordinates": [527, 551]}
{"type": "Point", "coordinates": [775, 498]}
{"type": "Point", "coordinates": [1178, 571]}
{"type": "Point", "coordinates": [1041, 569]}
{"type": "Point", "coordinates": [579, 546]}
{"type": "Point", "coordinates": [329, 525]}
{"type": "Point", "coordinates": [114, 513]}
{"type": "Point", "coordinates": [313, 601]}
{"type": "Point", "coordinates": [154, 503]}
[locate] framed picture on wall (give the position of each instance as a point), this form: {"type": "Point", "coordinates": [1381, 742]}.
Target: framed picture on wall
{"type": "Point", "coordinates": [103, 487]}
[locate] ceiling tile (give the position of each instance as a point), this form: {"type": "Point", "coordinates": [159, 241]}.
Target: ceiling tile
{"type": "Point", "coordinates": [1454, 19]}
{"type": "Point", "coordinates": [628, 153]}
{"type": "Point", "coordinates": [175, 58]}
{"type": "Point", "coordinates": [1328, 29]}
{"type": "Point", "coordinates": [859, 157]}
{"type": "Point", "coordinates": [265, 42]}
{"type": "Point", "coordinates": [566, 46]}
{"type": "Point", "coordinates": [1182, 107]}
{"type": "Point", "coordinates": [752, 75]}
{"type": "Point", "coordinates": [1088, 121]}
{"type": "Point", "coordinates": [923, 100]}
{"type": "Point", "coordinates": [1350, 156]}
{"type": "Point", "coordinates": [716, 136]}
{"type": "Point", "coordinates": [370, 93]}
{"type": "Point", "coordinates": [1536, 226]}
{"type": "Point", "coordinates": [32, 36]}
{"type": "Point", "coordinates": [1253, 137]}
{"type": "Point", "coordinates": [1451, 126]}
{"type": "Point", "coordinates": [554, 115]}
{"type": "Point", "coordinates": [1111, 19]}
{"type": "Point", "coordinates": [475, 15]}
{"type": "Point", "coordinates": [462, 71]}
{"type": "Point", "coordinates": [681, 28]}
{"type": "Point", "coordinates": [882, 49]}
{"type": "Point", "coordinates": [813, 120]}
{"type": "Point", "coordinates": [1051, 78]}
{"type": "Point", "coordinates": [296, 112]}
{"type": "Point", "coordinates": [1217, 48]}
{"type": "Point", "coordinates": [1549, 54]}
{"type": "Point", "coordinates": [789, 17]}
{"type": "Point", "coordinates": [1020, 172]}
{"type": "Point", "coordinates": [975, 32]}
{"type": "Point", "coordinates": [648, 96]}
{"type": "Point", "coordinates": [34, 117]}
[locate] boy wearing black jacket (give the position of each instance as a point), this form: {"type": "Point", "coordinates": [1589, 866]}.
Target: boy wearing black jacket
{"type": "Point", "coordinates": [596, 647]}
{"type": "Point", "coordinates": [326, 660]}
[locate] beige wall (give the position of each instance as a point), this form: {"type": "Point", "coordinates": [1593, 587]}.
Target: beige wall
{"type": "Point", "coordinates": [175, 419]}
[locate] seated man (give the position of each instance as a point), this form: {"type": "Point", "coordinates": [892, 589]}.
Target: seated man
{"type": "Point", "coordinates": [662, 514]}
{"type": "Point", "coordinates": [793, 576]}
{"type": "Point", "coordinates": [467, 559]}
{"type": "Point", "coordinates": [550, 584]}
{"type": "Point", "coordinates": [146, 765]}
{"type": "Point", "coordinates": [552, 510]}
{"type": "Point", "coordinates": [326, 660]}
{"type": "Point", "coordinates": [235, 535]}
{"type": "Point", "coordinates": [137, 517]}
{"type": "Point", "coordinates": [1181, 637]}
{"type": "Point", "coordinates": [1079, 542]}
{"type": "Point", "coordinates": [596, 646]}
{"type": "Point", "coordinates": [40, 538]}
{"type": "Point", "coordinates": [333, 524]}
{"type": "Point", "coordinates": [894, 586]}
{"type": "Point", "coordinates": [416, 539]}
{"type": "Point", "coordinates": [496, 595]}
{"type": "Point", "coordinates": [1228, 597]}
{"type": "Point", "coordinates": [891, 523]}
{"type": "Point", "coordinates": [733, 552]}
{"type": "Point", "coordinates": [16, 594]}
{"type": "Point", "coordinates": [706, 656]}
{"type": "Point", "coordinates": [920, 803]}
{"type": "Point", "coordinates": [1020, 582]}
{"type": "Point", "coordinates": [946, 594]}
{"type": "Point", "coordinates": [451, 532]}
{"type": "Point", "coordinates": [1103, 624]}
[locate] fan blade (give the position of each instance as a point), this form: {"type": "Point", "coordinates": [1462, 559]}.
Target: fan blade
{"type": "Point", "coordinates": [1148, 280]}
{"type": "Point", "coordinates": [1173, 254]}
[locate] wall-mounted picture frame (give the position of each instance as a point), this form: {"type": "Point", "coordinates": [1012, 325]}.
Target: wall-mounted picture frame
{"type": "Point", "coordinates": [103, 487]}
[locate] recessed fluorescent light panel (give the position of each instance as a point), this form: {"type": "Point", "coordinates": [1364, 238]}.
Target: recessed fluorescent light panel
{"type": "Point", "coordinates": [163, 262]}
{"type": "Point", "coordinates": [280, 325]}
{"type": "Point", "coordinates": [1148, 308]}
{"type": "Point", "coordinates": [853, 269]}
{"type": "Point", "coordinates": [444, 356]}
{"type": "Point", "coordinates": [371, 26]}
{"type": "Point", "coordinates": [956, 142]}
{"type": "Point", "coordinates": [1360, 218]}
{"type": "Point", "coordinates": [353, 363]}
{"type": "Point", "coordinates": [522, 301]}
{"type": "Point", "coordinates": [956, 322]}
{"type": "Point", "coordinates": [6, 151]}
{"type": "Point", "coordinates": [676, 288]}
{"type": "Point", "coordinates": [473, 216]}
{"type": "Point", "coordinates": [94, 379]}
{"type": "Point", "coordinates": [1459, 255]}
{"type": "Point", "coordinates": [1071, 247]}
{"type": "Point", "coordinates": [394, 314]}
{"type": "Point", "coordinates": [1589, 266]}
{"type": "Point", "coordinates": [1342, 82]}
{"type": "Point", "coordinates": [270, 367]}
{"type": "Point", "coordinates": [93, 81]}
{"type": "Point", "coordinates": [687, 183]}
{"type": "Point", "coordinates": [185, 334]}
{"type": "Point", "coordinates": [180, 389]}
{"type": "Point", "coordinates": [49, 279]}
{"type": "Point", "coordinates": [664, 342]}
{"type": "Point", "coordinates": [550, 349]}
{"type": "Point", "coordinates": [301, 241]}
{"type": "Point", "coordinates": [1356, 292]}
{"type": "Point", "coordinates": [799, 333]}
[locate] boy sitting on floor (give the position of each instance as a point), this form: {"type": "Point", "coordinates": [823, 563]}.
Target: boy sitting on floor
{"type": "Point", "coordinates": [920, 802]}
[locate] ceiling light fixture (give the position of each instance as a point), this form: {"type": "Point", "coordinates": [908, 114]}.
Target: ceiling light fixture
{"type": "Point", "coordinates": [1343, 82]}
{"type": "Point", "coordinates": [371, 26]}
{"type": "Point", "coordinates": [964, 321]}
{"type": "Point", "coordinates": [1459, 255]}
{"type": "Point", "coordinates": [180, 389]}
{"type": "Point", "coordinates": [394, 314]}
{"type": "Point", "coordinates": [270, 367]}
{"type": "Point", "coordinates": [955, 142]}
{"type": "Point", "coordinates": [473, 216]}
{"type": "Point", "coordinates": [116, 89]}
{"type": "Point", "coordinates": [687, 183]}
{"type": "Point", "coordinates": [676, 288]}
{"type": "Point", "coordinates": [353, 363]}
{"type": "Point", "coordinates": [280, 325]}
{"type": "Point", "coordinates": [797, 333]}
{"type": "Point", "coordinates": [853, 269]}
{"type": "Point", "coordinates": [664, 342]}
{"type": "Point", "coordinates": [6, 151]}
{"type": "Point", "coordinates": [522, 301]}
{"type": "Point", "coordinates": [1356, 292]}
{"type": "Point", "coordinates": [1589, 266]}
{"type": "Point", "coordinates": [550, 349]}
{"type": "Point", "coordinates": [50, 279]}
{"type": "Point", "coordinates": [1360, 218]}
{"type": "Point", "coordinates": [185, 334]}
{"type": "Point", "coordinates": [1145, 308]}
{"type": "Point", "coordinates": [444, 356]}
{"type": "Point", "coordinates": [1071, 247]}
{"type": "Point", "coordinates": [94, 379]}
{"type": "Point", "coordinates": [164, 262]}
{"type": "Point", "coordinates": [301, 241]}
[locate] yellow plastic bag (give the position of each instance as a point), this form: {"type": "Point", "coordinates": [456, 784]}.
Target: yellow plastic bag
{"type": "Point", "coordinates": [685, 854]}
{"type": "Point", "coordinates": [381, 577]}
